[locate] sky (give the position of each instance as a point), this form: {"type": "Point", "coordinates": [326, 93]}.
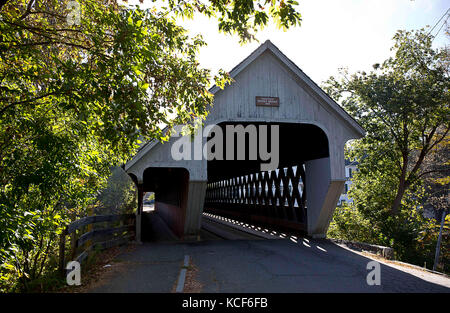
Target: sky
{"type": "Point", "coordinates": [333, 34]}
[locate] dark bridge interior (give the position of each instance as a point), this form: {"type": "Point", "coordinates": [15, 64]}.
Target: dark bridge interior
{"type": "Point", "coordinates": [170, 186]}
{"type": "Point", "coordinates": [275, 199]}
{"type": "Point", "coordinates": [297, 143]}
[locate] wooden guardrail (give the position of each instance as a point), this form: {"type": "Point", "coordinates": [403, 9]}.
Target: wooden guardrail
{"type": "Point", "coordinates": [84, 238]}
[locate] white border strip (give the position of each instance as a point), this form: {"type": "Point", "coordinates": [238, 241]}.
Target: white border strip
{"type": "Point", "coordinates": [182, 277]}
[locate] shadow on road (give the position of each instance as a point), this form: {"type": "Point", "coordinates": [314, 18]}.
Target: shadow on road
{"type": "Point", "coordinates": [260, 266]}
{"type": "Point", "coordinates": [154, 229]}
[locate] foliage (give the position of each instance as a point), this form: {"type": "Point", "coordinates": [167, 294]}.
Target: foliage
{"type": "Point", "coordinates": [119, 196]}
{"type": "Point", "coordinates": [426, 245]}
{"type": "Point", "coordinates": [242, 17]}
{"type": "Point", "coordinates": [403, 104]}
{"type": "Point", "coordinates": [412, 236]}
{"type": "Point", "coordinates": [348, 224]}
{"type": "Point", "coordinates": [437, 178]}
{"type": "Point", "coordinates": [76, 97]}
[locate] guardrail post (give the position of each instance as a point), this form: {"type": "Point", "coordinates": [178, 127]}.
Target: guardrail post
{"type": "Point", "coordinates": [73, 244]}
{"type": "Point", "coordinates": [139, 213]}
{"type": "Point", "coordinates": [90, 227]}
{"type": "Point", "coordinates": [62, 251]}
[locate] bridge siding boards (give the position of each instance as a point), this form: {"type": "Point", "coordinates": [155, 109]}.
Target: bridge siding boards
{"type": "Point", "coordinates": [196, 195]}
{"type": "Point", "coordinates": [267, 72]}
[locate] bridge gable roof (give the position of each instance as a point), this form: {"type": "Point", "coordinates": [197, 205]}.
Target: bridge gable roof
{"type": "Point", "coordinates": [268, 46]}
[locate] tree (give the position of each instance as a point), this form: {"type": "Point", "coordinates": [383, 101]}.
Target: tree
{"type": "Point", "coordinates": [77, 94]}
{"type": "Point", "coordinates": [119, 196]}
{"type": "Point", "coordinates": [404, 106]}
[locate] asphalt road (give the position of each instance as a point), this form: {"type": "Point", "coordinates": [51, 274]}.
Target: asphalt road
{"type": "Point", "coordinates": [259, 266]}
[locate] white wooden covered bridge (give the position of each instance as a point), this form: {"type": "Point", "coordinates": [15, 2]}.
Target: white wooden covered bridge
{"type": "Point", "coordinates": [298, 197]}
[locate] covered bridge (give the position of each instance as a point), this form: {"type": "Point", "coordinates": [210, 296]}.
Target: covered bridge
{"type": "Point", "coordinates": [296, 193]}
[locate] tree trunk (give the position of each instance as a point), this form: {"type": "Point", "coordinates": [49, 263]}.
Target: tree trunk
{"type": "Point", "coordinates": [398, 199]}
{"type": "Point", "coordinates": [401, 187]}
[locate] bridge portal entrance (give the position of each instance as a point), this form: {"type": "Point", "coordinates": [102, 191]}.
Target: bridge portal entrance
{"type": "Point", "coordinates": [275, 198]}
{"type": "Point", "coordinates": [170, 186]}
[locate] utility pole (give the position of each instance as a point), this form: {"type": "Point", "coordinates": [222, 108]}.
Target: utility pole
{"type": "Point", "coordinates": [438, 244]}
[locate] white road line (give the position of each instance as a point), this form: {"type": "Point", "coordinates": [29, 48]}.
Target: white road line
{"type": "Point", "coordinates": [186, 260]}
{"type": "Point", "coordinates": [182, 277]}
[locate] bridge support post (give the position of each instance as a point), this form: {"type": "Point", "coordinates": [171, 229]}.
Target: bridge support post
{"type": "Point", "coordinates": [322, 194]}
{"type": "Point", "coordinates": [194, 209]}
{"type": "Point", "coordinates": [138, 225]}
